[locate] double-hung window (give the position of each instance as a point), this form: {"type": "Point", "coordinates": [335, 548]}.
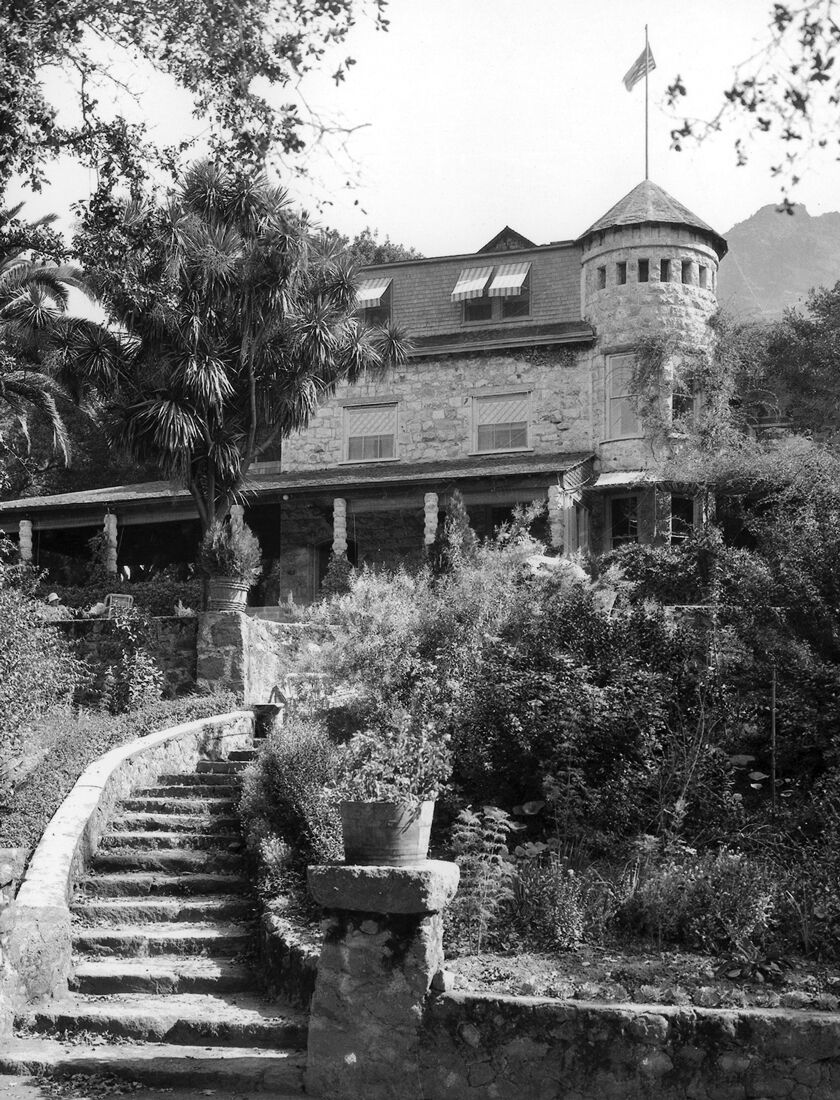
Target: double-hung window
{"type": "Point", "coordinates": [500, 422]}
{"type": "Point", "coordinates": [622, 417]}
{"type": "Point", "coordinates": [370, 432]}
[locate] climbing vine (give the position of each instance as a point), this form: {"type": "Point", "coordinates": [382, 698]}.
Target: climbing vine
{"type": "Point", "coordinates": [707, 394]}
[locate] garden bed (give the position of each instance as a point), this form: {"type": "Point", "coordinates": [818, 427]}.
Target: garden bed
{"type": "Point", "coordinates": [643, 975]}
{"type": "Point", "coordinates": [64, 743]}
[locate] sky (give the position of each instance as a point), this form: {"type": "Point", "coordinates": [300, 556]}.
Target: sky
{"type": "Point", "coordinates": [468, 115]}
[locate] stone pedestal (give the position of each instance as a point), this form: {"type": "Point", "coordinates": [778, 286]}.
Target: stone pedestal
{"type": "Point", "coordinates": [383, 945]}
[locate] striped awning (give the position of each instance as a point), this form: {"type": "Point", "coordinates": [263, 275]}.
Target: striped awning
{"type": "Point", "coordinates": [471, 283]}
{"type": "Point", "coordinates": [370, 292]}
{"type": "Point", "coordinates": [509, 280]}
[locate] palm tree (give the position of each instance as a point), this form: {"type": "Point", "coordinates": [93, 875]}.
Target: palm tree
{"type": "Point", "coordinates": [233, 319]}
{"type": "Point", "coordinates": [33, 302]}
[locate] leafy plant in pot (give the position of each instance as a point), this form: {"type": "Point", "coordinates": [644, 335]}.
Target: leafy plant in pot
{"type": "Point", "coordinates": [388, 782]}
{"type": "Point", "coordinates": [230, 557]}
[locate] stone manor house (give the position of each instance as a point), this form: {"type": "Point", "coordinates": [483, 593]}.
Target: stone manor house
{"type": "Point", "coordinates": [518, 388]}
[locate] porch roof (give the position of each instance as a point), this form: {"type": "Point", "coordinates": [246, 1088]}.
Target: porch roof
{"type": "Point", "coordinates": [152, 501]}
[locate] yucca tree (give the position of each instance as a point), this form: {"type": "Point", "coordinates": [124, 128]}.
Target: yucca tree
{"type": "Point", "coordinates": [233, 320]}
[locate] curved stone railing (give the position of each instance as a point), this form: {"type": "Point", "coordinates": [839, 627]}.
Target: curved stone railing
{"type": "Point", "coordinates": [40, 944]}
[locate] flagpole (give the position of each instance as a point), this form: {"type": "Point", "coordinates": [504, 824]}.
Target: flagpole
{"type": "Point", "coordinates": [647, 66]}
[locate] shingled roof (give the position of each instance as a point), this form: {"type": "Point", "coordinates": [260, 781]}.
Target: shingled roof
{"type": "Point", "coordinates": [649, 204]}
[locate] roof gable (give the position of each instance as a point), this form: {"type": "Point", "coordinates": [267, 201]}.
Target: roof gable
{"type": "Point", "coordinates": [506, 240]}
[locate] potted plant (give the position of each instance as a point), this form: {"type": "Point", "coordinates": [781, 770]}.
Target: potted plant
{"type": "Point", "coordinates": [230, 557]}
{"type": "Point", "coordinates": [387, 786]}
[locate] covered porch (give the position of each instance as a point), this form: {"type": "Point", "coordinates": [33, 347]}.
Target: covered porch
{"type": "Point", "coordinates": [373, 515]}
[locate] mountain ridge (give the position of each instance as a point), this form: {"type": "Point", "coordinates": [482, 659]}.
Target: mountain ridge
{"type": "Point", "coordinates": [774, 259]}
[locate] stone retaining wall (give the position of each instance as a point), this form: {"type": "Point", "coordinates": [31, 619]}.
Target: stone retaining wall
{"type": "Point", "coordinates": [504, 1048]}
{"type": "Point", "coordinates": [172, 644]}
{"type": "Point", "coordinates": [249, 656]}
{"type": "Point", "coordinates": [39, 940]}
{"type": "Point", "coordinates": [12, 865]}
{"type": "Point", "coordinates": [289, 960]}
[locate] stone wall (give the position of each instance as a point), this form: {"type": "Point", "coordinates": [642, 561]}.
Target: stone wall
{"type": "Point", "coordinates": [172, 644]}
{"type": "Point", "coordinates": [249, 656]}
{"type": "Point", "coordinates": [504, 1048]}
{"type": "Point", "coordinates": [434, 396]}
{"type": "Point", "coordinates": [12, 865]}
{"type": "Point", "coordinates": [289, 960]}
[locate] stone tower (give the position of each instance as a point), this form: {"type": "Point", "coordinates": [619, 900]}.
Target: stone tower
{"type": "Point", "coordinates": [648, 267]}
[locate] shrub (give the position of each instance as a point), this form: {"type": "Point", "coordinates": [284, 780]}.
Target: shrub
{"type": "Point", "coordinates": [37, 671]}
{"type": "Point", "coordinates": [722, 901]}
{"type": "Point", "coordinates": [338, 576]}
{"type": "Point", "coordinates": [284, 797]}
{"type": "Point", "coordinates": [158, 596]}
{"type": "Point", "coordinates": [229, 550]}
{"type": "Point", "coordinates": [126, 675]}
{"type": "Point", "coordinates": [76, 741]}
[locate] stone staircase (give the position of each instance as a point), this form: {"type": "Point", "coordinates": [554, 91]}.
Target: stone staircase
{"type": "Point", "coordinates": [162, 991]}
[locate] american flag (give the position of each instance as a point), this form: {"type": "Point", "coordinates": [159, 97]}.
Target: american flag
{"type": "Point", "coordinates": [644, 63]}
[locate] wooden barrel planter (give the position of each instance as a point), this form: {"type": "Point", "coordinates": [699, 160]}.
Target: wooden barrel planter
{"type": "Point", "coordinates": [227, 594]}
{"type": "Point", "coordinates": [391, 834]}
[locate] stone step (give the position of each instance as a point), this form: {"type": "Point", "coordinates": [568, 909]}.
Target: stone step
{"type": "Point", "coordinates": [158, 805]}
{"type": "Point", "coordinates": [190, 790]}
{"type": "Point", "coordinates": [243, 754]}
{"type": "Point", "coordinates": [139, 883]}
{"type": "Point", "coordinates": [199, 779]}
{"type": "Point", "coordinates": [164, 938]}
{"type": "Point", "coordinates": [143, 910]}
{"type": "Point", "coordinates": [161, 974]}
{"type": "Point", "coordinates": [176, 823]}
{"type": "Point", "coordinates": [217, 842]}
{"type": "Point", "coordinates": [225, 1070]}
{"type": "Point", "coordinates": [165, 859]}
{"type": "Point", "coordinates": [221, 767]}
{"type": "Point", "coordinates": [226, 1019]}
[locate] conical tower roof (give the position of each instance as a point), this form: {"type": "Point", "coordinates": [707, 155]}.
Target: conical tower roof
{"type": "Point", "coordinates": [649, 204]}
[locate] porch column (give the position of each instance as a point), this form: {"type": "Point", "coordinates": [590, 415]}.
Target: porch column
{"type": "Point", "coordinates": [339, 545]}
{"type": "Point", "coordinates": [555, 515]}
{"type": "Point", "coordinates": [237, 517]}
{"type": "Point", "coordinates": [25, 540]}
{"type": "Point", "coordinates": [110, 528]}
{"type": "Point", "coordinates": [430, 518]}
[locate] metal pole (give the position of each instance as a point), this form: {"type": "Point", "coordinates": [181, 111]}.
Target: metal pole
{"type": "Point", "coordinates": [773, 738]}
{"type": "Point", "coordinates": [647, 174]}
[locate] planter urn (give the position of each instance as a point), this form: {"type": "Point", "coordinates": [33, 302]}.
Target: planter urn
{"type": "Point", "coordinates": [386, 834]}
{"type": "Point", "coordinates": [227, 594]}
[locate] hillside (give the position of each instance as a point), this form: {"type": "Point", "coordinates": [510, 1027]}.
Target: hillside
{"type": "Point", "coordinates": [774, 259]}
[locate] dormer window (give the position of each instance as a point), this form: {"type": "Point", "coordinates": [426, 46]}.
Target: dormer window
{"type": "Point", "coordinates": [511, 283]}
{"type": "Point", "coordinates": [478, 287]}
{"type": "Point", "coordinates": [373, 298]}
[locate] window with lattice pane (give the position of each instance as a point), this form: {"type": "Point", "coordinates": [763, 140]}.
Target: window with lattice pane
{"type": "Point", "coordinates": [501, 422]}
{"type": "Point", "coordinates": [370, 432]}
